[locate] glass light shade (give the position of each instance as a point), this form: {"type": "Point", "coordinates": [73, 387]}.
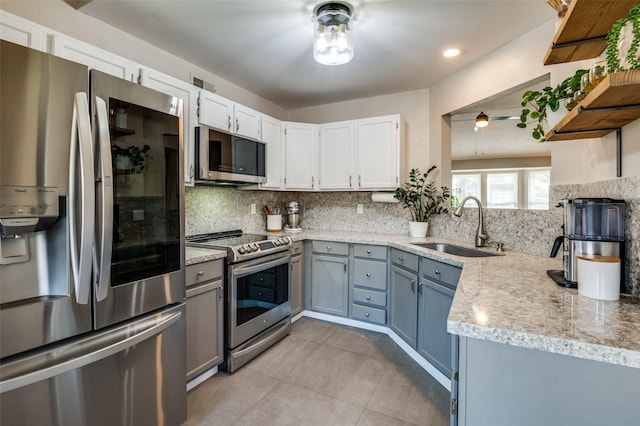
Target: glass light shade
{"type": "Point", "coordinates": [333, 35]}
{"type": "Point", "coordinates": [482, 120]}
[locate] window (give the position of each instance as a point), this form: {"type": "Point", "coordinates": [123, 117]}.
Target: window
{"type": "Point", "coordinates": [466, 184]}
{"type": "Point", "coordinates": [502, 190]}
{"type": "Point", "coordinates": [525, 188]}
{"type": "Point", "coordinates": [538, 189]}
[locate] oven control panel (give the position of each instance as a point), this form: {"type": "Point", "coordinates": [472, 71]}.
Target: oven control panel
{"type": "Point", "coordinates": [264, 247]}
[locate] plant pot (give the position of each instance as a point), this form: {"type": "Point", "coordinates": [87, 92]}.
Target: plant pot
{"type": "Point", "coordinates": [418, 229]}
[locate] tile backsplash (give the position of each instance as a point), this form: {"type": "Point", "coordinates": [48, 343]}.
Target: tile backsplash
{"type": "Point", "coordinates": [210, 208]}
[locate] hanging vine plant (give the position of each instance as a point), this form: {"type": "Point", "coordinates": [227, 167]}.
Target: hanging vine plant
{"type": "Point", "coordinates": [618, 57]}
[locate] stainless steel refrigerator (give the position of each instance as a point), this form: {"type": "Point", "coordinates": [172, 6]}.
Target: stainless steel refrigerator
{"type": "Point", "coordinates": [92, 319]}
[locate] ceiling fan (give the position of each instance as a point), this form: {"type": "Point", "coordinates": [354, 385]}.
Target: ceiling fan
{"type": "Point", "coordinates": [482, 120]}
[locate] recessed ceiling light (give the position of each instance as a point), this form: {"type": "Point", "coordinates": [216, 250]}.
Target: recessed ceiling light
{"type": "Point", "coordinates": [450, 53]}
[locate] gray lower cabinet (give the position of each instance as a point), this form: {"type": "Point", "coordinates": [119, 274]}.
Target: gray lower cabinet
{"type": "Point", "coordinates": [369, 283]}
{"type": "Point", "coordinates": [421, 294]}
{"type": "Point", "coordinates": [205, 322]}
{"type": "Point", "coordinates": [297, 278]}
{"type": "Point", "coordinates": [330, 278]}
{"type": "Point", "coordinates": [404, 309]}
{"type": "Point", "coordinates": [509, 385]}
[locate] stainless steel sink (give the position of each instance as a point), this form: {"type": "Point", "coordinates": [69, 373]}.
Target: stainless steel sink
{"type": "Point", "coordinates": [457, 250]}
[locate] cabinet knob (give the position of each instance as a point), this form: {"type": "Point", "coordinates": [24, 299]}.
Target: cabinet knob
{"type": "Point", "coordinates": [200, 273]}
{"type": "Point", "coordinates": [413, 285]}
{"type": "Point", "coordinates": [368, 251]}
{"type": "Point", "coordinates": [366, 314]}
{"type": "Point", "coordinates": [368, 275]}
{"type": "Point", "coordinates": [437, 271]}
{"type": "Point", "coordinates": [259, 293]}
{"type": "Point", "coordinates": [368, 297]}
{"type": "Point", "coordinates": [401, 259]}
{"type": "Point", "coordinates": [328, 247]}
{"type": "Point", "coordinates": [229, 122]}
{"type": "Point", "coordinates": [420, 284]}
{"type": "Point", "coordinates": [191, 172]}
{"type": "Point", "coordinates": [237, 125]}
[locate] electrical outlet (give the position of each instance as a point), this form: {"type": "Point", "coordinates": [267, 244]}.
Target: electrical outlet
{"type": "Point", "coordinates": [138, 215]}
{"type": "Point", "coordinates": [359, 208]}
{"type": "Point", "coordinates": [253, 208]}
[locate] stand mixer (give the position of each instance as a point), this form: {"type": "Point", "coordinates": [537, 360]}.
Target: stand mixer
{"type": "Point", "coordinates": [293, 217]}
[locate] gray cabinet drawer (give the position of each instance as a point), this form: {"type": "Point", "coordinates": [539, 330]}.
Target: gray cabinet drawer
{"type": "Point", "coordinates": [203, 272]}
{"type": "Point", "coordinates": [369, 314]}
{"type": "Point", "coordinates": [330, 247]}
{"type": "Point", "coordinates": [404, 259]}
{"type": "Point", "coordinates": [439, 271]}
{"type": "Point", "coordinates": [370, 273]}
{"type": "Point", "coordinates": [370, 251]}
{"type": "Point", "coordinates": [297, 248]}
{"type": "Point", "coordinates": [370, 297]}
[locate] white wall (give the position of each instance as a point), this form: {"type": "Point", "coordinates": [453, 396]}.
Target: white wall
{"type": "Point", "coordinates": [59, 16]}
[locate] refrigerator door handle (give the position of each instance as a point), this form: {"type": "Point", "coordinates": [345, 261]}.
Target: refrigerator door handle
{"type": "Point", "coordinates": [109, 344]}
{"type": "Point", "coordinates": [81, 244]}
{"type": "Point", "coordinates": [102, 248]}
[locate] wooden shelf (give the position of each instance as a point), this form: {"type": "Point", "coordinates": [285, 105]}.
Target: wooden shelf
{"type": "Point", "coordinates": [583, 29]}
{"type": "Point", "coordinates": [612, 104]}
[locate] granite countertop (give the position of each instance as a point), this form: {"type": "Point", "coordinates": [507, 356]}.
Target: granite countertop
{"type": "Point", "coordinates": [510, 299]}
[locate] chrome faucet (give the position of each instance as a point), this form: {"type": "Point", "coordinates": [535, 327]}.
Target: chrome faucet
{"type": "Point", "coordinates": [481, 233]}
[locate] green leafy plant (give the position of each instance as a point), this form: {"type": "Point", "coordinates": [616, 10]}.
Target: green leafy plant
{"type": "Point", "coordinates": [613, 37]}
{"type": "Point", "coordinates": [421, 196]}
{"type": "Point", "coordinates": [137, 156]}
{"type": "Point", "coordinates": [535, 103]}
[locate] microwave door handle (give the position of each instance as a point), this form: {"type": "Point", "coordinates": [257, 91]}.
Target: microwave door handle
{"type": "Point", "coordinates": [80, 245]}
{"type": "Point", "coordinates": [102, 248]}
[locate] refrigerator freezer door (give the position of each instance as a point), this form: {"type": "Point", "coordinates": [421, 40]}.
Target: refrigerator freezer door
{"type": "Point", "coordinates": [133, 374]}
{"type": "Point", "coordinates": [41, 302]}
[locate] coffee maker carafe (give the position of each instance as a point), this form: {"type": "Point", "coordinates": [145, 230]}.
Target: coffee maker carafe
{"type": "Point", "coordinates": [592, 226]}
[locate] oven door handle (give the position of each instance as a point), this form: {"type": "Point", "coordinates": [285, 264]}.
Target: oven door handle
{"type": "Point", "coordinates": [244, 270]}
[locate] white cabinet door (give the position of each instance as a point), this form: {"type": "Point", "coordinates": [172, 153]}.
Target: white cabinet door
{"type": "Point", "coordinates": [378, 152]}
{"type": "Point", "coordinates": [247, 122]}
{"type": "Point", "coordinates": [271, 136]}
{"type": "Point", "coordinates": [20, 31]}
{"type": "Point", "coordinates": [300, 144]}
{"type": "Point", "coordinates": [215, 111]}
{"type": "Point", "coordinates": [95, 58]}
{"type": "Point", "coordinates": [187, 92]}
{"type": "Point", "coordinates": [335, 155]}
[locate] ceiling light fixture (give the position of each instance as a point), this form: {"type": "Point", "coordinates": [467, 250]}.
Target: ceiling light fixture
{"type": "Point", "coordinates": [450, 53]}
{"type": "Point", "coordinates": [482, 120]}
{"type": "Point", "coordinates": [333, 33]}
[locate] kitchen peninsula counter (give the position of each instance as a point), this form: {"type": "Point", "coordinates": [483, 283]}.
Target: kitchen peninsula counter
{"type": "Point", "coordinates": [510, 300]}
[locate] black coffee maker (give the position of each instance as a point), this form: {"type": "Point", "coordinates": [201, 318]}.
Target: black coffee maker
{"type": "Point", "coordinates": [592, 226]}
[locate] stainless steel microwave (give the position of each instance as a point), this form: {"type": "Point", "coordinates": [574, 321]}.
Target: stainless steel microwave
{"type": "Point", "coordinates": [223, 158]}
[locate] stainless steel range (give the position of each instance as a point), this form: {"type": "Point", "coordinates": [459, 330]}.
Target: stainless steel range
{"type": "Point", "coordinates": [258, 284]}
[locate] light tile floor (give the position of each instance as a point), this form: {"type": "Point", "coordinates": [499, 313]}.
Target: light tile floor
{"type": "Point", "coordinates": [323, 374]}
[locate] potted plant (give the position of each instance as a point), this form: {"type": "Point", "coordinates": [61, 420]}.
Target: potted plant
{"type": "Point", "coordinates": [131, 159]}
{"type": "Point", "coordinates": [423, 199]}
{"type": "Point", "coordinates": [536, 104]}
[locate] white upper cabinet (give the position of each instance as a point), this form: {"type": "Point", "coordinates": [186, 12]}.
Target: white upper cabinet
{"type": "Point", "coordinates": [379, 153]}
{"type": "Point", "coordinates": [95, 58]}
{"type": "Point", "coordinates": [335, 156]}
{"type": "Point", "coordinates": [20, 31]}
{"type": "Point", "coordinates": [274, 163]}
{"type": "Point", "coordinates": [215, 111]}
{"type": "Point", "coordinates": [247, 122]}
{"type": "Point", "coordinates": [225, 115]}
{"type": "Point", "coordinates": [188, 93]}
{"type": "Point", "coordinates": [300, 144]}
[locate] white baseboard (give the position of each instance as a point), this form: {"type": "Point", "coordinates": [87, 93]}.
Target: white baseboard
{"type": "Point", "coordinates": [201, 378]}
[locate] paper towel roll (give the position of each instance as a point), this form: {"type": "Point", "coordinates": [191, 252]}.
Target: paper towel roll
{"type": "Point", "coordinates": [383, 197]}
{"type": "Point", "coordinates": [599, 277]}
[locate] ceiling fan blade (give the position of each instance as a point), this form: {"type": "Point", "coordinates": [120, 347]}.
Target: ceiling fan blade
{"type": "Point", "coordinates": [509, 117]}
